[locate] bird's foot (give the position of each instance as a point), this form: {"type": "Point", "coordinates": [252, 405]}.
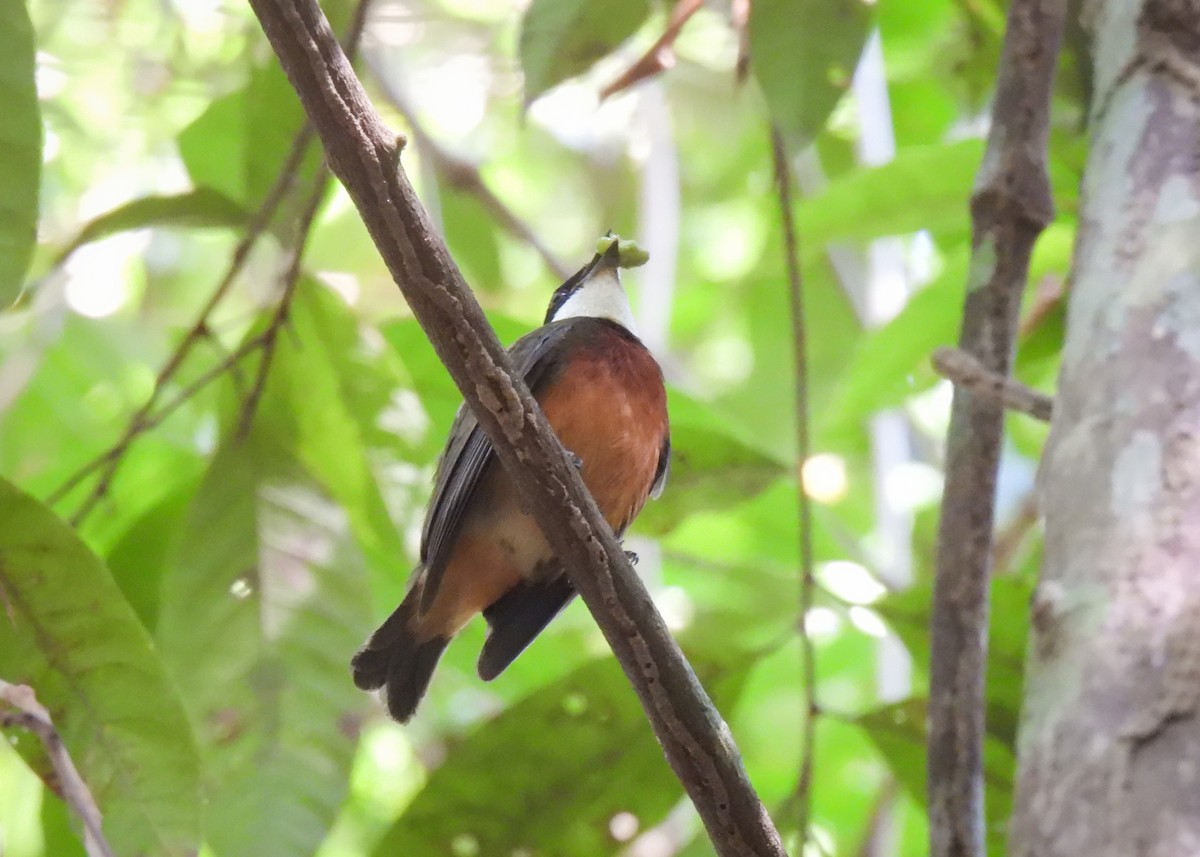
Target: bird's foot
{"type": "Point", "coordinates": [575, 459]}
{"type": "Point", "coordinates": [632, 557]}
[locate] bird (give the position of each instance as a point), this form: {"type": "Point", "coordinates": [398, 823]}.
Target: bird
{"type": "Point", "coordinates": [603, 394]}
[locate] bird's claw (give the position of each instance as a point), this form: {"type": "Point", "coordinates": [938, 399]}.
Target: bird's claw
{"type": "Point", "coordinates": [632, 557]}
{"type": "Point", "coordinates": [575, 459]}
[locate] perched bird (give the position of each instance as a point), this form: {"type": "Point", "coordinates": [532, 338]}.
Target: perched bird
{"type": "Point", "coordinates": [481, 552]}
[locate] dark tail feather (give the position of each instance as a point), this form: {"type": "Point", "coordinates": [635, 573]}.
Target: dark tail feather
{"type": "Point", "coordinates": [519, 616]}
{"type": "Point", "coordinates": [395, 660]}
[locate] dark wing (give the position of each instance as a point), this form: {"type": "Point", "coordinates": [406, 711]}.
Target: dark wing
{"type": "Point", "coordinates": [469, 452]}
{"type": "Point", "coordinates": [519, 616]}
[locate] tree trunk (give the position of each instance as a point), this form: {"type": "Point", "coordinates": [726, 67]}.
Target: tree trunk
{"type": "Point", "coordinates": [1109, 751]}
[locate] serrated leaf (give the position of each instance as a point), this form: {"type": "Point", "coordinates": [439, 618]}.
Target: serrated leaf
{"type": "Point", "coordinates": [803, 53]}
{"type": "Point", "coordinates": [564, 38]}
{"type": "Point", "coordinates": [549, 773]}
{"type": "Point", "coordinates": [21, 145]}
{"type": "Point", "coordinates": [262, 606]}
{"type": "Point", "coordinates": [71, 636]}
{"type": "Point", "coordinates": [195, 208]}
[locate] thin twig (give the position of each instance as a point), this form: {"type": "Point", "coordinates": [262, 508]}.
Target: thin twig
{"type": "Point", "coordinates": [32, 715]}
{"type": "Point", "coordinates": [808, 584]}
{"type": "Point", "coordinates": [1010, 206]}
{"type": "Point", "coordinates": [291, 278]}
{"type": "Point", "coordinates": [965, 371]}
{"type": "Point", "coordinates": [109, 461]}
{"type": "Point", "coordinates": [145, 418]}
{"type": "Point", "coordinates": [364, 155]}
{"type": "Point", "coordinates": [660, 56]}
{"type": "Point", "coordinates": [462, 175]}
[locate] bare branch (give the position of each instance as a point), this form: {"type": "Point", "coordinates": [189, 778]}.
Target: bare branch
{"type": "Point", "coordinates": [660, 56]}
{"type": "Point", "coordinates": [30, 714]}
{"type": "Point", "coordinates": [291, 279]}
{"type": "Point", "coordinates": [808, 584]}
{"type": "Point", "coordinates": [363, 153]}
{"type": "Point", "coordinates": [1010, 207]}
{"type": "Point", "coordinates": [967, 372]}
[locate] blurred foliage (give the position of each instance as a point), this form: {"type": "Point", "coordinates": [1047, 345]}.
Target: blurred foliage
{"type": "Point", "coordinates": [192, 634]}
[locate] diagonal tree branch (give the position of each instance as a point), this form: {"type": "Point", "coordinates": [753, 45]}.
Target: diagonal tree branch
{"type": "Point", "coordinates": [365, 156]}
{"type": "Point", "coordinates": [1010, 207]}
{"type": "Point", "coordinates": [26, 712]}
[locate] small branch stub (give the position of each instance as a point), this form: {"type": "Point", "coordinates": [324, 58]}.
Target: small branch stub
{"type": "Point", "coordinates": [25, 711]}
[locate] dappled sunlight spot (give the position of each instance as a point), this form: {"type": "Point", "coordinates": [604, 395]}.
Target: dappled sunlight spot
{"type": "Point", "coordinates": [202, 16]}
{"type": "Point", "coordinates": [454, 94]}
{"type": "Point", "coordinates": [676, 607]}
{"type": "Point", "coordinates": [343, 284]}
{"type": "Point", "coordinates": [573, 114]}
{"type": "Point", "coordinates": [464, 845]}
{"type": "Point", "coordinates": [912, 485]}
{"type": "Point", "coordinates": [100, 275]}
{"type": "Point", "coordinates": [206, 435]}
{"type": "Point", "coordinates": [725, 359]}
{"type": "Point", "coordinates": [850, 581]}
{"type": "Point", "coordinates": [824, 477]}
{"type": "Point", "coordinates": [241, 589]}
{"type": "Point", "coordinates": [820, 841]}
{"type": "Point", "coordinates": [867, 621]}
{"type": "Point", "coordinates": [727, 239]}
{"type": "Point", "coordinates": [623, 826]}
{"type": "Point", "coordinates": [822, 622]}
{"type": "Point", "coordinates": [405, 417]}
{"type": "Point", "coordinates": [50, 76]}
{"type": "Point", "coordinates": [930, 411]}
{"type": "Point", "coordinates": [575, 704]}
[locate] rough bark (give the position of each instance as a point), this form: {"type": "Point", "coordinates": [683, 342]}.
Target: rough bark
{"type": "Point", "coordinates": [1010, 206]}
{"type": "Point", "coordinates": [365, 156]}
{"type": "Point", "coordinates": [1109, 748]}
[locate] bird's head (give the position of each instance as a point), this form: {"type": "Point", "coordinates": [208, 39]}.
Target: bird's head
{"type": "Point", "coordinates": [595, 291]}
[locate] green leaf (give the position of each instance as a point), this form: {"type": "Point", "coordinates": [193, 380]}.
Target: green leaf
{"type": "Point", "coordinates": [262, 606]}
{"type": "Point", "coordinates": [237, 146]}
{"type": "Point", "coordinates": [548, 774]}
{"type": "Point", "coordinates": [195, 208]}
{"type": "Point", "coordinates": [907, 613]}
{"type": "Point", "coordinates": [803, 53]}
{"type": "Point", "coordinates": [892, 362]}
{"type": "Point", "coordinates": [72, 637]}
{"type": "Point", "coordinates": [898, 731]}
{"type": "Point", "coordinates": [563, 38]}
{"type": "Point", "coordinates": [924, 187]}
{"type": "Point", "coordinates": [326, 397]}
{"type": "Point", "coordinates": [21, 144]}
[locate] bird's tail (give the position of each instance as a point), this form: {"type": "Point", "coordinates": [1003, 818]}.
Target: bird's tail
{"type": "Point", "coordinates": [397, 661]}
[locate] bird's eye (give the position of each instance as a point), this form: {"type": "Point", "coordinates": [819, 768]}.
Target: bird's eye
{"type": "Point", "coordinates": [557, 300]}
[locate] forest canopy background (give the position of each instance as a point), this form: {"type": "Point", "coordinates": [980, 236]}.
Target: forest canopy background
{"type": "Point", "coordinates": [239, 538]}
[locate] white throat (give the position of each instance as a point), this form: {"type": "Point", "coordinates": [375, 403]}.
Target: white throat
{"type": "Point", "coordinates": [600, 297]}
